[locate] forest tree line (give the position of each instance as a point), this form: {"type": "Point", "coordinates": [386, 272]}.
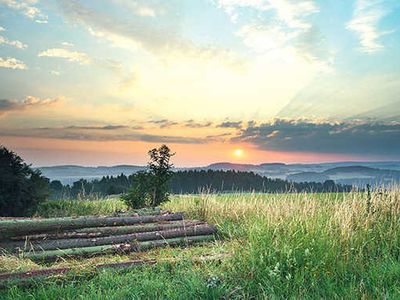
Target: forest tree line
{"type": "Point", "coordinates": [193, 181]}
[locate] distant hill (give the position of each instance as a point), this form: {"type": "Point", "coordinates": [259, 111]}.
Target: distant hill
{"type": "Point", "coordinates": [355, 175]}
{"type": "Point", "coordinates": [358, 173]}
{"type": "Point", "coordinates": [68, 174]}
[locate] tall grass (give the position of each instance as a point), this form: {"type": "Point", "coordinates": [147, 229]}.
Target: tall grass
{"type": "Point", "coordinates": [284, 246]}
{"type": "Point", "coordinates": [308, 245]}
{"type": "Point", "coordinates": [74, 208]}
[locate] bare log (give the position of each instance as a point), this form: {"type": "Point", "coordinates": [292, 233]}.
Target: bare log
{"type": "Point", "coordinates": [11, 228]}
{"type": "Point", "coordinates": [92, 232]}
{"type": "Point", "coordinates": [108, 240]}
{"type": "Point", "coordinates": [118, 248]}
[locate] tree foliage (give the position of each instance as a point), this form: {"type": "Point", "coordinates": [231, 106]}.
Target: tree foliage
{"type": "Point", "coordinates": [150, 188]}
{"type": "Point", "coordinates": [160, 170]}
{"type": "Point", "coordinates": [21, 187]}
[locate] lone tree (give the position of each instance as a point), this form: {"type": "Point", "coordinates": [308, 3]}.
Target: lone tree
{"type": "Point", "coordinates": [21, 188]}
{"type": "Point", "coordinates": [150, 188]}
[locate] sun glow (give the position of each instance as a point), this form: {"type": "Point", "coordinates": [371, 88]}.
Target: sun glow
{"type": "Point", "coordinates": [238, 153]}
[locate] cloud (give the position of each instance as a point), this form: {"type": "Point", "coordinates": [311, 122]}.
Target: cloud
{"type": "Point", "coordinates": [27, 8]}
{"type": "Point", "coordinates": [67, 44]}
{"type": "Point", "coordinates": [12, 63]}
{"type": "Point", "coordinates": [164, 123]}
{"type": "Point", "coordinates": [143, 8]}
{"type": "Point", "coordinates": [377, 138]}
{"type": "Point", "coordinates": [150, 33]}
{"type": "Point", "coordinates": [74, 56]}
{"type": "Point", "coordinates": [192, 124]}
{"type": "Point", "coordinates": [292, 13]}
{"type": "Point", "coordinates": [6, 41]}
{"type": "Point", "coordinates": [7, 105]}
{"type": "Point", "coordinates": [366, 17]}
{"type": "Point", "coordinates": [287, 32]}
{"type": "Point", "coordinates": [99, 133]}
{"type": "Point", "coordinates": [228, 124]}
{"type": "Point", "coordinates": [106, 127]}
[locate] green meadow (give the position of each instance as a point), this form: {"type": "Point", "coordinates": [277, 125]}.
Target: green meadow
{"type": "Point", "coordinates": [278, 246]}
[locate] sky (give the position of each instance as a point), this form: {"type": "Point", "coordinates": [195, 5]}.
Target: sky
{"type": "Point", "coordinates": [247, 81]}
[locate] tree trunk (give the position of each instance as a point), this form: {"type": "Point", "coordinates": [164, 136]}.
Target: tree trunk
{"type": "Point", "coordinates": [118, 239]}
{"type": "Point", "coordinates": [93, 232]}
{"type": "Point", "coordinates": [11, 228]}
{"type": "Point", "coordinates": [119, 248]}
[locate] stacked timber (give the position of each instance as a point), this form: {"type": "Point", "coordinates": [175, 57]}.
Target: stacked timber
{"type": "Point", "coordinates": [49, 239]}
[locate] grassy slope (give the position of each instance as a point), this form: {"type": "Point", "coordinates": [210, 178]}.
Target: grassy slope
{"type": "Point", "coordinates": [284, 246]}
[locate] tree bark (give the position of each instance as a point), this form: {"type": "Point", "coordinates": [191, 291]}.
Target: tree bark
{"type": "Point", "coordinates": [11, 228]}
{"type": "Point", "coordinates": [109, 240]}
{"type": "Point", "coordinates": [93, 232]}
{"type": "Point", "coordinates": [118, 248]}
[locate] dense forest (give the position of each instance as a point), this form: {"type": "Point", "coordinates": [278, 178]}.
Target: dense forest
{"type": "Point", "coordinates": [188, 182]}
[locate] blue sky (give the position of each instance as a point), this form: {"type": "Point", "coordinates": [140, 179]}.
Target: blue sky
{"type": "Point", "coordinates": [131, 74]}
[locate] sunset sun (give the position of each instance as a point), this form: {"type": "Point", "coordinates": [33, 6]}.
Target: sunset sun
{"type": "Point", "coordinates": [238, 153]}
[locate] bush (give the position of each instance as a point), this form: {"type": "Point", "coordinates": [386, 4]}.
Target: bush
{"type": "Point", "coordinates": [138, 196]}
{"type": "Point", "coordinates": [21, 188]}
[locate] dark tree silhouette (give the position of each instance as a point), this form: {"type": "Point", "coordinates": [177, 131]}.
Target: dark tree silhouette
{"type": "Point", "coordinates": [21, 188]}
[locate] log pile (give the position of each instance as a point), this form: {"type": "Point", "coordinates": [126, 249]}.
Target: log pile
{"type": "Point", "coordinates": [52, 238]}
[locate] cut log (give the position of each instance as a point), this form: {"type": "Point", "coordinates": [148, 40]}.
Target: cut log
{"type": "Point", "coordinates": [11, 228]}
{"type": "Point", "coordinates": [108, 240]}
{"type": "Point", "coordinates": [118, 248]}
{"type": "Point", "coordinates": [92, 232]}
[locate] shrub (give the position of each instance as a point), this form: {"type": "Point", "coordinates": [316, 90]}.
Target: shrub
{"type": "Point", "coordinates": [21, 188]}
{"type": "Point", "coordinates": [138, 196]}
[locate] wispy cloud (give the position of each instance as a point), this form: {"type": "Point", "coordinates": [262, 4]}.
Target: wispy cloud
{"type": "Point", "coordinates": [143, 8]}
{"type": "Point", "coordinates": [287, 32]}
{"type": "Point", "coordinates": [99, 133]}
{"type": "Point", "coordinates": [67, 44]}
{"type": "Point", "coordinates": [73, 56]}
{"type": "Point", "coordinates": [230, 124]}
{"type": "Point", "coordinates": [153, 35]}
{"type": "Point", "coordinates": [12, 63]}
{"type": "Point", "coordinates": [293, 13]}
{"type": "Point", "coordinates": [27, 8]}
{"type": "Point", "coordinates": [6, 41]}
{"type": "Point", "coordinates": [7, 105]}
{"type": "Point", "coordinates": [365, 22]}
{"type": "Point", "coordinates": [164, 123]}
{"type": "Point", "coordinates": [193, 124]}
